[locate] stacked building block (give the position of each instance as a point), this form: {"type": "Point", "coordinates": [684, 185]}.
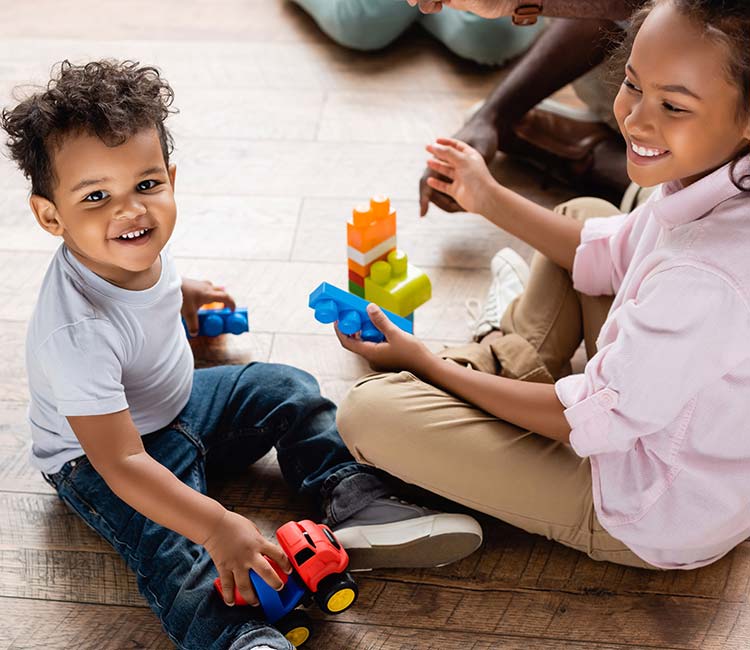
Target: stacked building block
{"type": "Point", "coordinates": [378, 271]}
{"type": "Point", "coordinates": [370, 236]}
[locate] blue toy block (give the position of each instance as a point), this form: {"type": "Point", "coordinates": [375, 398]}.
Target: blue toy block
{"type": "Point", "coordinates": [212, 322]}
{"type": "Point", "coordinates": [333, 304]}
{"type": "Point", "coordinates": [277, 604]}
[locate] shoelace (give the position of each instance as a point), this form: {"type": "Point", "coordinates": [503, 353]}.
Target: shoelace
{"type": "Point", "coordinates": [473, 311]}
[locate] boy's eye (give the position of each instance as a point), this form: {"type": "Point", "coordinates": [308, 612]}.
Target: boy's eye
{"type": "Point", "coordinates": [147, 185]}
{"type": "Point", "coordinates": [630, 85]}
{"type": "Point", "coordinates": [97, 196]}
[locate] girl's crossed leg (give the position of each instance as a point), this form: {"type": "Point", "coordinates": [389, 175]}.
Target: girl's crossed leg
{"type": "Point", "coordinates": [435, 440]}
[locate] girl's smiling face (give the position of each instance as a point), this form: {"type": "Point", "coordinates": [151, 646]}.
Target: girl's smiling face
{"type": "Point", "coordinates": [677, 108]}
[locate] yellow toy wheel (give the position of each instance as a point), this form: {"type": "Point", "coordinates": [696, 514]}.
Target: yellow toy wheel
{"type": "Point", "coordinates": [296, 627]}
{"type": "Point", "coordinates": [336, 593]}
{"type": "Point", "coordinates": [297, 636]}
{"type": "Point", "coordinates": [341, 600]}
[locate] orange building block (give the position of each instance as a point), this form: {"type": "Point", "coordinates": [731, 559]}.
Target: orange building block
{"type": "Point", "coordinates": [371, 224]}
{"type": "Point", "coordinates": [364, 271]}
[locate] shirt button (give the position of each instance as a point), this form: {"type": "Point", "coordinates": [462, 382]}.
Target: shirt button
{"type": "Point", "coordinates": [606, 400]}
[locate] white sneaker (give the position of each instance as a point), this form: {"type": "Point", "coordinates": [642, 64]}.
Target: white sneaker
{"type": "Point", "coordinates": [510, 274]}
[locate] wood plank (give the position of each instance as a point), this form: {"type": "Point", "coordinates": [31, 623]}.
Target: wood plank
{"type": "Point", "coordinates": [413, 64]}
{"type": "Point", "coordinates": [239, 20]}
{"type": "Point", "coordinates": [41, 522]}
{"type": "Point", "coordinates": [42, 625]}
{"type": "Point", "coordinates": [72, 626]}
{"type": "Point", "coordinates": [658, 621]}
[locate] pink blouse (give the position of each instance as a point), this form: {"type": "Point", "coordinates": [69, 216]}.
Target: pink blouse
{"type": "Point", "coordinates": [663, 408]}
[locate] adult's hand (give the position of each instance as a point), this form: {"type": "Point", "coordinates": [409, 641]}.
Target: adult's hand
{"type": "Point", "coordinates": [479, 133]}
{"type": "Point", "coordinates": [483, 8]}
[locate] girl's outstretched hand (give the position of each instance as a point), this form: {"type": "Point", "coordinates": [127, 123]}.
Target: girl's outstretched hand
{"type": "Point", "coordinates": [399, 351]}
{"type": "Point", "coordinates": [469, 179]}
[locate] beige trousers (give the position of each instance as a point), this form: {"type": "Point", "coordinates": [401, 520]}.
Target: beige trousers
{"type": "Point", "coordinates": [430, 438]}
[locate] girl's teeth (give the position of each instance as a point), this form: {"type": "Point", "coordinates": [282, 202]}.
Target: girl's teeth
{"type": "Point", "coordinates": [642, 151]}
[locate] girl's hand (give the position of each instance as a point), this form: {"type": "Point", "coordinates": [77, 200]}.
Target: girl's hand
{"type": "Point", "coordinates": [399, 351]}
{"type": "Point", "coordinates": [236, 545]}
{"type": "Point", "coordinates": [469, 179]}
{"type": "Point", "coordinates": [200, 292]}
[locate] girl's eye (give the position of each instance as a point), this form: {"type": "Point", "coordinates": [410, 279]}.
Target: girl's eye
{"type": "Point", "coordinates": [630, 85]}
{"type": "Point", "coordinates": [97, 196]}
{"type": "Point", "coordinates": [147, 185]}
{"type": "Point", "coordinates": [673, 109]}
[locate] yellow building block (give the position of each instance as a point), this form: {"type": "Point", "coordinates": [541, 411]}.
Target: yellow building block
{"type": "Point", "coordinates": [396, 285]}
{"type": "Point", "coordinates": [371, 225]}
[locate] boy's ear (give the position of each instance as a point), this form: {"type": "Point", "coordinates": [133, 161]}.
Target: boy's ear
{"type": "Point", "coordinates": [172, 173]}
{"type": "Point", "coordinates": [46, 214]}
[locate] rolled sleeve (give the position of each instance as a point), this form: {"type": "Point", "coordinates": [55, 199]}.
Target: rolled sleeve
{"type": "Point", "coordinates": [665, 349]}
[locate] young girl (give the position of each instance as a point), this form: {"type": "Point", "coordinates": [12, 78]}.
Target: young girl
{"type": "Point", "coordinates": [643, 458]}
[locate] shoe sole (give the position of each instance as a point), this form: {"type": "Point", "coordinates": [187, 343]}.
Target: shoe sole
{"type": "Point", "coordinates": [424, 542]}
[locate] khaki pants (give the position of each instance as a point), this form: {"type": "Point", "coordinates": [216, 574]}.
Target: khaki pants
{"type": "Point", "coordinates": [430, 438]}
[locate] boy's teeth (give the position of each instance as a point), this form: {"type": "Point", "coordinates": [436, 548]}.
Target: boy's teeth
{"type": "Point", "coordinates": [643, 151]}
{"type": "Point", "coordinates": [134, 234]}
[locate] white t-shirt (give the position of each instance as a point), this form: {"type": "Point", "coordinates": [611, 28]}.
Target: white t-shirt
{"type": "Point", "coordinates": [93, 348]}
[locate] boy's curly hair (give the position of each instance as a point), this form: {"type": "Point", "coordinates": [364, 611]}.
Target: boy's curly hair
{"type": "Point", "coordinates": [110, 99]}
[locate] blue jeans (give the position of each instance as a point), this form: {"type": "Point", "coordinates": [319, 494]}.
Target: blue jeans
{"type": "Point", "coordinates": [235, 415]}
{"type": "Point", "coordinates": [373, 24]}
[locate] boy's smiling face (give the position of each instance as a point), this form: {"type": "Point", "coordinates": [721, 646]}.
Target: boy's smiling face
{"type": "Point", "coordinates": [677, 108]}
{"type": "Point", "coordinates": [113, 206]}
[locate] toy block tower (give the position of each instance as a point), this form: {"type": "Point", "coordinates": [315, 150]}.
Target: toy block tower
{"type": "Point", "coordinates": [378, 271]}
{"type": "Point", "coordinates": [370, 236]}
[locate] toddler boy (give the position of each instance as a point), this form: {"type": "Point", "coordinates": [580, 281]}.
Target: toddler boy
{"type": "Point", "coordinates": [122, 425]}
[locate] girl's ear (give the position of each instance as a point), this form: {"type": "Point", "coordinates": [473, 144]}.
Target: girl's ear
{"type": "Point", "coordinates": [46, 214]}
{"type": "Point", "coordinates": [172, 174]}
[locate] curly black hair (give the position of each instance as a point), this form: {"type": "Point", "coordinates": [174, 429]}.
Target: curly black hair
{"type": "Point", "coordinates": [726, 22]}
{"type": "Point", "coordinates": [110, 99]}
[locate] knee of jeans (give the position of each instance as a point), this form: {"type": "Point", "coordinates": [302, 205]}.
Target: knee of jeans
{"type": "Point", "coordinates": [292, 381]}
{"type": "Point", "coordinates": [354, 24]}
{"type": "Point", "coordinates": [488, 42]}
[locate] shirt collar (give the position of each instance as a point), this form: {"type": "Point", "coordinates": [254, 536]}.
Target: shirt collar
{"type": "Point", "coordinates": [676, 205]}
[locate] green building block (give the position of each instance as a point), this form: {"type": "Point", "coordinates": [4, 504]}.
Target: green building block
{"type": "Point", "coordinates": [396, 285]}
{"type": "Point", "coordinates": [356, 289]}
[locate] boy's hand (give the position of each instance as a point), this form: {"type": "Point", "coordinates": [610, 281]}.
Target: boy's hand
{"type": "Point", "coordinates": [469, 179]}
{"type": "Point", "coordinates": [200, 292]}
{"type": "Point", "coordinates": [235, 546]}
{"type": "Point", "coordinates": [399, 351]}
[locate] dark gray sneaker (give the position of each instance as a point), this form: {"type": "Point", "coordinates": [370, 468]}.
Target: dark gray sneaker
{"type": "Point", "coordinates": [391, 533]}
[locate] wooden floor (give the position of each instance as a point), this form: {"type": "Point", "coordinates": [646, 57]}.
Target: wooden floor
{"type": "Point", "coordinates": [280, 134]}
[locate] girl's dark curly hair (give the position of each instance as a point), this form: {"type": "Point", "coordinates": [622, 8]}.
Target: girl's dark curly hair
{"type": "Point", "coordinates": [726, 22]}
{"type": "Point", "coordinates": [110, 99]}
